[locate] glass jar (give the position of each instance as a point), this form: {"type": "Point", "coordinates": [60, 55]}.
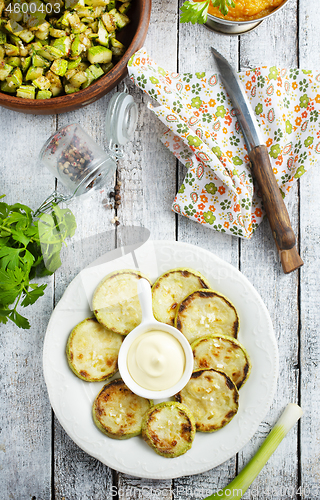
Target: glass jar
{"type": "Point", "coordinates": [78, 162]}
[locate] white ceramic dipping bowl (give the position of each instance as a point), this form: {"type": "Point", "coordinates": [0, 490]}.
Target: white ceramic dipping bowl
{"type": "Point", "coordinates": [147, 324]}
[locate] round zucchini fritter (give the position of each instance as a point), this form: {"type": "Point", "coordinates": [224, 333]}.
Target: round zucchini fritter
{"type": "Point", "coordinates": [92, 351]}
{"type": "Point", "coordinates": [171, 288]}
{"type": "Point", "coordinates": [212, 398]}
{"type": "Point", "coordinates": [205, 312]}
{"type": "Point", "coordinates": [169, 428]}
{"type": "Point", "coordinates": [118, 412]}
{"type": "Point", "coordinates": [115, 301]}
{"type": "Point", "coordinates": [222, 353]}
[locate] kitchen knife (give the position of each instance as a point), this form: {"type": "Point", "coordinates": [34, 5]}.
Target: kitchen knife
{"type": "Point", "coordinates": [261, 167]}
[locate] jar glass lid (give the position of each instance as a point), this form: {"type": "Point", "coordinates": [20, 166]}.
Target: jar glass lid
{"type": "Point", "coordinates": [121, 120]}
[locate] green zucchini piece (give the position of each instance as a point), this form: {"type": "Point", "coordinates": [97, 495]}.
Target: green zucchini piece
{"type": "Point", "coordinates": [169, 429]}
{"type": "Point", "coordinates": [56, 85]}
{"type": "Point", "coordinates": [90, 79]}
{"type": "Point", "coordinates": [96, 71]}
{"type": "Point", "coordinates": [99, 54]}
{"type": "Point", "coordinates": [93, 72]}
{"type": "Point", "coordinates": [39, 62]}
{"type": "Point", "coordinates": [11, 50]}
{"type": "Point", "coordinates": [14, 61]}
{"type": "Point", "coordinates": [70, 73]}
{"type": "Point", "coordinates": [63, 44]}
{"type": "Point", "coordinates": [33, 73]}
{"type": "Point", "coordinates": [13, 27]}
{"type": "Point", "coordinates": [44, 94]}
{"type": "Point", "coordinates": [59, 67]}
{"type": "Point", "coordinates": [222, 353]}
{"type": "Point", "coordinates": [125, 7]}
{"type": "Point", "coordinates": [75, 23]}
{"type": "Point", "coordinates": [92, 351]}
{"type": "Point", "coordinates": [212, 398]}
{"type": "Point", "coordinates": [117, 48]}
{"type": "Point", "coordinates": [107, 67]}
{"type": "Point", "coordinates": [78, 79]}
{"type": "Point", "coordinates": [103, 35]}
{"type": "Point", "coordinates": [120, 20]}
{"type": "Point", "coordinates": [5, 87]}
{"type": "Point", "coordinates": [5, 70]}
{"type": "Point", "coordinates": [109, 22]}
{"type": "Point", "coordinates": [26, 92]}
{"type": "Point", "coordinates": [50, 52]}
{"type": "Point", "coordinates": [171, 288]}
{"type": "Point", "coordinates": [42, 83]}
{"type": "Point", "coordinates": [111, 5]}
{"type": "Point", "coordinates": [74, 64]}
{"type": "Point", "coordinates": [25, 63]}
{"type": "Point", "coordinates": [57, 33]}
{"type": "Point", "coordinates": [16, 78]}
{"type": "Point", "coordinates": [205, 312]}
{"type": "Point", "coordinates": [26, 36]}
{"type": "Point", "coordinates": [70, 89]}
{"type": "Point", "coordinates": [76, 47]}
{"type": "Point", "coordinates": [118, 412]}
{"type": "Point", "coordinates": [3, 38]}
{"type": "Point", "coordinates": [115, 301]}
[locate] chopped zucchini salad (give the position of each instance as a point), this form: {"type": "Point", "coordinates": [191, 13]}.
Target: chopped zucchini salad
{"type": "Point", "coordinates": [58, 47]}
{"type": "Point", "coordinates": [181, 297]}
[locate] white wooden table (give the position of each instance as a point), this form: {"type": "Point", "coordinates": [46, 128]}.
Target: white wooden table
{"type": "Point", "coordinates": [38, 459]}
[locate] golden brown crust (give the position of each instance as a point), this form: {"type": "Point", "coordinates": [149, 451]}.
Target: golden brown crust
{"type": "Point", "coordinates": [118, 412]}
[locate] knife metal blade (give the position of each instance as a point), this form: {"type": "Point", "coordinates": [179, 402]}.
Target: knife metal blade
{"type": "Point", "coordinates": [237, 94]}
{"type": "Point", "coordinates": [261, 167]}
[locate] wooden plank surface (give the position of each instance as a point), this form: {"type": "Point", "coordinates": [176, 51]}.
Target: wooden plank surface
{"type": "Point", "coordinates": [262, 47]}
{"type": "Point", "coordinates": [37, 459]}
{"type": "Point", "coordinates": [25, 417]}
{"type": "Point", "coordinates": [309, 43]}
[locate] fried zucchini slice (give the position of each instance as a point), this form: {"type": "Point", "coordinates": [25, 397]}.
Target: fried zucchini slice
{"type": "Point", "coordinates": [204, 312]}
{"type": "Point", "coordinates": [92, 351]}
{"type": "Point", "coordinates": [169, 428]}
{"type": "Point", "coordinates": [171, 288]}
{"type": "Point", "coordinates": [118, 412]}
{"type": "Point", "coordinates": [115, 301]}
{"type": "Point", "coordinates": [222, 353]}
{"type": "Point", "coordinates": [212, 398]}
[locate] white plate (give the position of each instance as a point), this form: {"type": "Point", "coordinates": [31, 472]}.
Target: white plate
{"type": "Point", "coordinates": [72, 398]}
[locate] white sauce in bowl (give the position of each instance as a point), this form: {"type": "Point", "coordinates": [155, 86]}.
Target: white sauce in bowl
{"type": "Point", "coordinates": [156, 360]}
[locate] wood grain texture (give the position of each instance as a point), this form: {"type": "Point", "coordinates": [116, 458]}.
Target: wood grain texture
{"type": "Point", "coordinates": [25, 416]}
{"type": "Point", "coordinates": [75, 474]}
{"type": "Point", "coordinates": [194, 54]}
{"type": "Point", "coordinates": [147, 176]}
{"type": "Point", "coordinates": [260, 263]}
{"type": "Point", "coordinates": [309, 44]}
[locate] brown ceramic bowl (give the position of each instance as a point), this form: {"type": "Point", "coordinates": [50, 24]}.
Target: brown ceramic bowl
{"type": "Point", "coordinates": [132, 36]}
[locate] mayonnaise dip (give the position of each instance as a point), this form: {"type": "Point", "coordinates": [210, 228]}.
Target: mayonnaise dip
{"type": "Point", "coordinates": [156, 360]}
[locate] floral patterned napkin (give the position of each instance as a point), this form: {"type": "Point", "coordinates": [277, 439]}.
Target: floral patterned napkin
{"type": "Point", "coordinates": [203, 133]}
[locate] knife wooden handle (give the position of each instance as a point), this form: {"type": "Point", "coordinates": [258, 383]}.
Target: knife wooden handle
{"type": "Point", "coordinates": [275, 208]}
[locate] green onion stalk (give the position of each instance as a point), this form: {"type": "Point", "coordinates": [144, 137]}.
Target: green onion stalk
{"type": "Point", "coordinates": [237, 488]}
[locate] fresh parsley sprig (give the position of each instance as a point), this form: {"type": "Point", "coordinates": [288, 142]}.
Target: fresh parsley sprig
{"type": "Point", "coordinates": [29, 246]}
{"type": "Point", "coordinates": [197, 12]}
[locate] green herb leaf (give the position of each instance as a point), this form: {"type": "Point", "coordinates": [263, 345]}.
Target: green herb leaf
{"type": "Point", "coordinates": [29, 247]}
{"type": "Point", "coordinates": [19, 320]}
{"type": "Point", "coordinates": [223, 5]}
{"type": "Point", "coordinates": [194, 12]}
{"type": "Point", "coordinates": [32, 296]}
{"type": "Point", "coordinates": [4, 313]}
{"type": "Point", "coordinates": [9, 257]}
{"type": "Point", "coordinates": [197, 12]}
